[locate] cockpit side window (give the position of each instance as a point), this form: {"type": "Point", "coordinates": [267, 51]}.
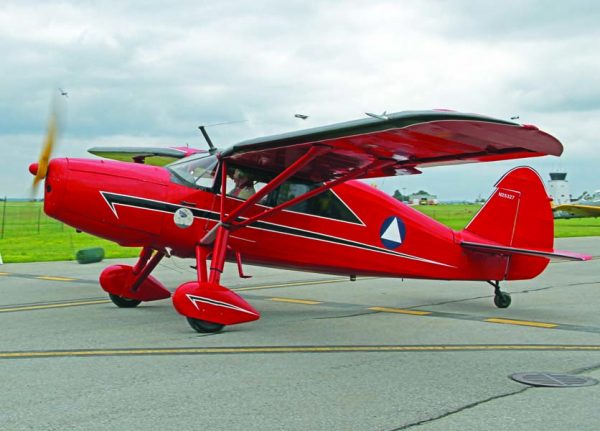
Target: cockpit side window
{"type": "Point", "coordinates": [242, 183]}
{"type": "Point", "coordinates": [325, 204]}
{"type": "Point", "coordinates": [202, 171]}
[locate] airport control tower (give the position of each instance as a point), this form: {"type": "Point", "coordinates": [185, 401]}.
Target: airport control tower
{"type": "Point", "coordinates": [558, 188]}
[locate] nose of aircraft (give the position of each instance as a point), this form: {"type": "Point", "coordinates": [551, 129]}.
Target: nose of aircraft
{"type": "Point", "coordinates": [55, 186]}
{"type": "Point", "coordinates": [33, 168]}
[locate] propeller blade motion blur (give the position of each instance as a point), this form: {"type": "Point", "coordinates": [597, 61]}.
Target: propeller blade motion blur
{"type": "Point", "coordinates": [40, 169]}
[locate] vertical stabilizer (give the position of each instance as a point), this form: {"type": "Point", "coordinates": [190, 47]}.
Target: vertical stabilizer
{"type": "Point", "coordinates": [517, 215]}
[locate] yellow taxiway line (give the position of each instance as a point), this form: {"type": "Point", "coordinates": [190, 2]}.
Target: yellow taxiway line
{"type": "Point", "coordinates": [47, 306]}
{"type": "Point", "coordinates": [400, 311]}
{"type": "Point", "coordinates": [290, 349]}
{"type": "Point", "coordinates": [296, 301]}
{"type": "Point", "coordinates": [522, 323]}
{"type": "Point", "coordinates": [277, 299]}
{"type": "Point", "coordinates": [52, 278]}
{"type": "Point", "coordinates": [297, 283]}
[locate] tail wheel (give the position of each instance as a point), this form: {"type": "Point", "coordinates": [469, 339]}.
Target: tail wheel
{"type": "Point", "coordinates": [204, 326]}
{"type": "Point", "coordinates": [502, 300]}
{"type": "Point", "coordinates": [122, 302]}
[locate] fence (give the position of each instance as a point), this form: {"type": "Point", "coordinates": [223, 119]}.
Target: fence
{"type": "Point", "coordinates": [21, 218]}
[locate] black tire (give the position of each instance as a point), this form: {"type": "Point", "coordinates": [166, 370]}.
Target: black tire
{"type": "Point", "coordinates": [502, 300]}
{"type": "Point", "coordinates": [204, 327]}
{"type": "Point", "coordinates": [121, 302]}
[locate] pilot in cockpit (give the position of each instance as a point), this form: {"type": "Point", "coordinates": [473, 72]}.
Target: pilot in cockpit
{"type": "Point", "coordinates": [244, 186]}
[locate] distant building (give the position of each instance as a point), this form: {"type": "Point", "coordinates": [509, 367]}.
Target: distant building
{"type": "Point", "coordinates": [423, 199]}
{"type": "Point", "coordinates": [558, 188]}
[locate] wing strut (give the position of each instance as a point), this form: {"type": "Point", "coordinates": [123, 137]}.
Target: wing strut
{"type": "Point", "coordinates": [308, 157]}
{"type": "Point", "coordinates": [378, 164]}
{"type": "Point", "coordinates": [227, 220]}
{"type": "Point", "coordinates": [206, 302]}
{"type": "Point", "coordinates": [220, 232]}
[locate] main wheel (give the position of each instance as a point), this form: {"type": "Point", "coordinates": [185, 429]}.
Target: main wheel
{"type": "Point", "coordinates": [204, 326]}
{"type": "Point", "coordinates": [121, 302]}
{"type": "Point", "coordinates": [502, 300]}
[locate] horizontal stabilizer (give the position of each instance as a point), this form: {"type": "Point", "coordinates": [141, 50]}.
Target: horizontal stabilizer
{"type": "Point", "coordinates": [510, 251]}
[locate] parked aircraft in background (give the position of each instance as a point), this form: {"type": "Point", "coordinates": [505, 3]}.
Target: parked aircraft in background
{"type": "Point", "coordinates": [587, 206]}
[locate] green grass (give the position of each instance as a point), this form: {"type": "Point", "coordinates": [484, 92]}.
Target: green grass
{"type": "Point", "coordinates": [457, 217]}
{"type": "Point", "coordinates": [28, 235]}
{"type": "Point", "coordinates": [577, 227]}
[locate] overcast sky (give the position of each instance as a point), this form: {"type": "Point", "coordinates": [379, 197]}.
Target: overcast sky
{"type": "Point", "coordinates": [142, 73]}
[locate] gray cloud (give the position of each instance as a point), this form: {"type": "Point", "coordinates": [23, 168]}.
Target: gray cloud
{"type": "Point", "coordinates": [141, 72]}
{"type": "Point", "coordinates": [520, 20]}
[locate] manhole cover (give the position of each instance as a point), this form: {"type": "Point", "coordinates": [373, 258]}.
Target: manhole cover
{"type": "Point", "coordinates": [553, 380]}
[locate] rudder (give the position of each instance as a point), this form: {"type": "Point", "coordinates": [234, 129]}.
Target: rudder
{"type": "Point", "coordinates": [518, 214]}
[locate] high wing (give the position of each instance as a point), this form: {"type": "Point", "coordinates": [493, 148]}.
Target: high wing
{"type": "Point", "coordinates": [411, 139]}
{"type": "Point", "coordinates": [148, 155]}
{"type": "Point", "coordinates": [579, 210]}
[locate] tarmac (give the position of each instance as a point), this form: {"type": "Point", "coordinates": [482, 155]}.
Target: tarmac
{"type": "Point", "coordinates": [327, 354]}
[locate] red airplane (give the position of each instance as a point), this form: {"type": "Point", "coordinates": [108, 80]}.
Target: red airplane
{"type": "Point", "coordinates": [290, 201]}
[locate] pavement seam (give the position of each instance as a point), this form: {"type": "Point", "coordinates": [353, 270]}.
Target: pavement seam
{"type": "Point", "coordinates": [364, 313]}
{"type": "Point", "coordinates": [461, 409]}
{"type": "Point", "coordinates": [582, 370]}
{"type": "Point", "coordinates": [586, 369]}
{"type": "Point", "coordinates": [433, 304]}
{"type": "Point", "coordinates": [359, 310]}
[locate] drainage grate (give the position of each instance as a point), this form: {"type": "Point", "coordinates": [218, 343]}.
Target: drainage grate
{"type": "Point", "coordinates": [553, 380]}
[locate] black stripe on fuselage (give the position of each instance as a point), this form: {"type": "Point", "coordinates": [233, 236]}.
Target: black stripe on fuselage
{"type": "Point", "coordinates": [149, 204]}
{"type": "Point", "coordinates": [153, 205]}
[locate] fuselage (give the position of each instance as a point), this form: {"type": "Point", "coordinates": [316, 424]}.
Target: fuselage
{"type": "Point", "coordinates": [136, 205]}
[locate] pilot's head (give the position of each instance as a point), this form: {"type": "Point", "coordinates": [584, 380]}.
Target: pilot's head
{"type": "Point", "coordinates": [240, 177]}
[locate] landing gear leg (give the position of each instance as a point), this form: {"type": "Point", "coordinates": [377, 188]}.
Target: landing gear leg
{"type": "Point", "coordinates": [501, 299]}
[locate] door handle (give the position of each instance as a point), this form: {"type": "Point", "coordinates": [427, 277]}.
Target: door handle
{"type": "Point", "coordinates": [189, 204]}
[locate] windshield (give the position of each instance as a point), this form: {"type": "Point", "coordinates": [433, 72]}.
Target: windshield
{"type": "Point", "coordinates": [198, 170]}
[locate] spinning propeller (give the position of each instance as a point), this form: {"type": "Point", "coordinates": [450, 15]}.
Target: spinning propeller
{"type": "Point", "coordinates": [40, 169]}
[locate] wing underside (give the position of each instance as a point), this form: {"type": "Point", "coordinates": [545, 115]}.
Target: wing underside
{"type": "Point", "coordinates": [412, 139]}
